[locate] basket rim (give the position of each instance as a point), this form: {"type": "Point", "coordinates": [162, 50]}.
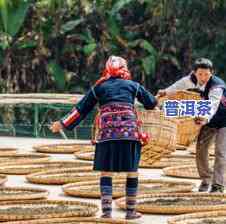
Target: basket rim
{"type": "Point", "coordinates": [172, 209]}
{"type": "Point", "coordinates": [73, 219]}
{"type": "Point", "coordinates": [198, 215]}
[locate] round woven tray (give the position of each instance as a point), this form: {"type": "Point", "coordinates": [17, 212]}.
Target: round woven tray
{"type": "Point", "coordinates": [23, 158]}
{"type": "Point", "coordinates": [22, 210]}
{"type": "Point", "coordinates": [187, 171]}
{"type": "Point", "coordinates": [28, 168]}
{"type": "Point", "coordinates": [21, 193]}
{"type": "Point", "coordinates": [74, 220]}
{"type": "Point", "coordinates": [3, 179]}
{"type": "Point", "coordinates": [62, 148]}
{"type": "Point", "coordinates": [177, 203]}
{"type": "Point", "coordinates": [88, 156]}
{"type": "Point", "coordinates": [7, 151]}
{"type": "Point", "coordinates": [63, 176]}
{"type": "Point", "coordinates": [213, 217]}
{"type": "Point", "coordinates": [91, 189]}
{"type": "Point", "coordinates": [171, 160]}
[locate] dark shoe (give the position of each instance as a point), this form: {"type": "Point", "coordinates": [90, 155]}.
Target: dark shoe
{"type": "Point", "coordinates": [133, 215]}
{"type": "Point", "coordinates": [216, 188]}
{"type": "Point", "coordinates": [203, 187]}
{"type": "Point", "coordinates": [106, 216]}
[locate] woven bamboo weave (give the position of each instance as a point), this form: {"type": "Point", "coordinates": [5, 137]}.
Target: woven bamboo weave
{"type": "Point", "coordinates": [28, 168]}
{"type": "Point", "coordinates": [63, 176]}
{"type": "Point", "coordinates": [186, 171]}
{"type": "Point", "coordinates": [22, 210]}
{"type": "Point", "coordinates": [23, 157]}
{"type": "Point", "coordinates": [212, 217]}
{"type": "Point", "coordinates": [91, 189]}
{"type": "Point", "coordinates": [74, 220]}
{"type": "Point", "coordinates": [22, 193]}
{"type": "Point", "coordinates": [177, 203]}
{"type": "Point", "coordinates": [7, 151]}
{"type": "Point", "coordinates": [62, 148]}
{"type": "Point", "coordinates": [3, 179]}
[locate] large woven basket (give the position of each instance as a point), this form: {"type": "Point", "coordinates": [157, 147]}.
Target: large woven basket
{"type": "Point", "coordinates": [62, 148]}
{"type": "Point", "coordinates": [28, 168]}
{"type": "Point", "coordinates": [64, 176]}
{"type": "Point", "coordinates": [23, 210]}
{"type": "Point", "coordinates": [23, 158]}
{"type": "Point", "coordinates": [73, 220]}
{"type": "Point", "coordinates": [3, 179]}
{"type": "Point", "coordinates": [22, 193]}
{"type": "Point", "coordinates": [213, 217]}
{"type": "Point", "coordinates": [177, 203]}
{"type": "Point", "coordinates": [91, 189]}
{"type": "Point", "coordinates": [7, 151]}
{"type": "Point", "coordinates": [187, 129]}
{"type": "Point", "coordinates": [186, 171]}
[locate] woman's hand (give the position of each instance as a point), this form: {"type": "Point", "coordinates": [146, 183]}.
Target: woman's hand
{"type": "Point", "coordinates": [56, 126]}
{"type": "Point", "coordinates": [73, 100]}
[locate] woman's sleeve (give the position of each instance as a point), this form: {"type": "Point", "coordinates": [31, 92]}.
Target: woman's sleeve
{"type": "Point", "coordinates": [146, 98]}
{"type": "Point", "coordinates": [80, 111]}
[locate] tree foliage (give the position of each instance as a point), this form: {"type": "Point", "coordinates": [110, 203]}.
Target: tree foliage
{"type": "Point", "coordinates": [62, 45]}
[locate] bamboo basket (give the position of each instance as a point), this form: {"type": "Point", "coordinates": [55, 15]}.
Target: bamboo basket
{"type": "Point", "coordinates": [91, 189]}
{"type": "Point", "coordinates": [28, 168]}
{"type": "Point", "coordinates": [62, 148]}
{"type": "Point", "coordinates": [177, 203]}
{"type": "Point", "coordinates": [187, 171]}
{"type": "Point", "coordinates": [3, 179]}
{"type": "Point", "coordinates": [26, 210]}
{"type": "Point", "coordinates": [7, 151]}
{"type": "Point", "coordinates": [187, 129]}
{"type": "Point", "coordinates": [64, 176]}
{"type": "Point", "coordinates": [213, 217]}
{"type": "Point", "coordinates": [23, 158]}
{"type": "Point", "coordinates": [73, 220]}
{"type": "Point", "coordinates": [22, 193]}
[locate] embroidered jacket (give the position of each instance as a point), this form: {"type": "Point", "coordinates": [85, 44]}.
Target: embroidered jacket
{"type": "Point", "coordinates": [114, 94]}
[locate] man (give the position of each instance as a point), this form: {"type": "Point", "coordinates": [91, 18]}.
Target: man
{"type": "Point", "coordinates": [213, 127]}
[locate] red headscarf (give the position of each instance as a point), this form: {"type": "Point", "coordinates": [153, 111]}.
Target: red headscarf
{"type": "Point", "coordinates": [115, 67]}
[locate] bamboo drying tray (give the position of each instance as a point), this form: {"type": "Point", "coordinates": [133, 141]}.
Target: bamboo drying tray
{"type": "Point", "coordinates": [213, 217]}
{"type": "Point", "coordinates": [187, 171]}
{"type": "Point", "coordinates": [23, 157]}
{"type": "Point", "coordinates": [63, 176]}
{"type": "Point", "coordinates": [74, 220]}
{"type": "Point", "coordinates": [3, 179]}
{"type": "Point", "coordinates": [7, 151]}
{"type": "Point", "coordinates": [171, 160]}
{"type": "Point", "coordinates": [91, 189]}
{"type": "Point", "coordinates": [62, 148]}
{"type": "Point", "coordinates": [177, 203]}
{"type": "Point", "coordinates": [21, 193]}
{"type": "Point", "coordinates": [28, 168]}
{"type": "Point", "coordinates": [23, 210]}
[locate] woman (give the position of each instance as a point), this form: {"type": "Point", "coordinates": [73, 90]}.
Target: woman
{"type": "Point", "coordinates": [118, 146]}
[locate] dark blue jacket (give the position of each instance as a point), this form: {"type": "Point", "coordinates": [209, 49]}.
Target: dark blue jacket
{"type": "Point", "coordinates": [219, 119]}
{"type": "Point", "coordinates": [112, 90]}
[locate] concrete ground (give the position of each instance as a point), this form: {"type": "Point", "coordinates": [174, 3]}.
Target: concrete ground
{"type": "Point", "coordinates": [25, 145]}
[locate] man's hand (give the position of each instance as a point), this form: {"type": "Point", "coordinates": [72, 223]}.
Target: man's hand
{"type": "Point", "coordinates": [56, 127]}
{"type": "Point", "coordinates": [161, 93]}
{"type": "Point", "coordinates": [201, 121]}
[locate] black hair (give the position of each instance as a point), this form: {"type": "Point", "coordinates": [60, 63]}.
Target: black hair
{"type": "Point", "coordinates": [203, 63]}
